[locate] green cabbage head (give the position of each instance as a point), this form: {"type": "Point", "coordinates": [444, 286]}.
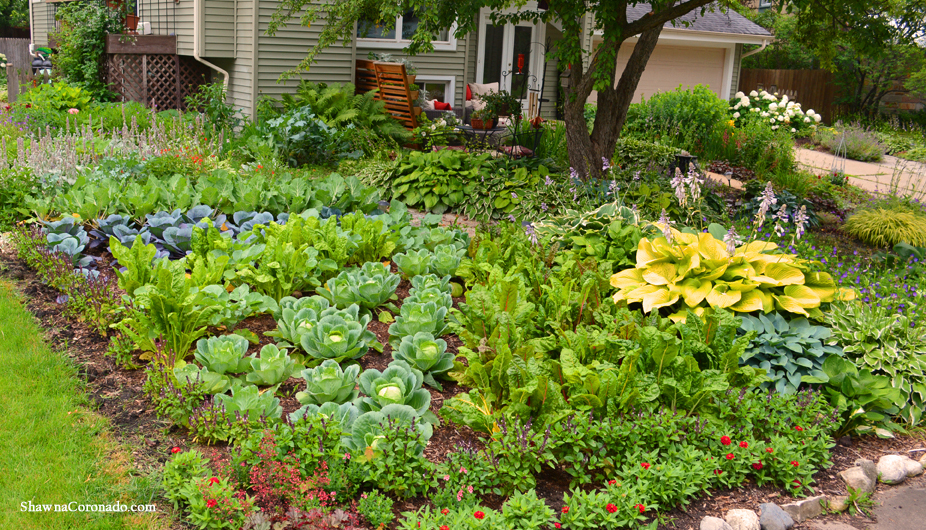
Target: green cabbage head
{"type": "Point", "coordinates": [327, 382]}
{"type": "Point", "coordinates": [423, 352]}
{"type": "Point", "coordinates": [398, 384]}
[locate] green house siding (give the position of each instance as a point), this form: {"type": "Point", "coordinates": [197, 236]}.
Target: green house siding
{"type": "Point", "coordinates": [285, 50]}
{"type": "Point", "coordinates": [735, 78]}
{"type": "Point", "coordinates": [551, 76]}
{"type": "Point", "coordinates": [41, 13]}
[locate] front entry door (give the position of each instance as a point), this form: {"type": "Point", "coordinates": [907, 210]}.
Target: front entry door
{"type": "Point", "coordinates": [510, 55]}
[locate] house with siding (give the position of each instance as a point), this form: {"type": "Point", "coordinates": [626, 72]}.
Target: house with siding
{"type": "Point", "coordinates": [229, 38]}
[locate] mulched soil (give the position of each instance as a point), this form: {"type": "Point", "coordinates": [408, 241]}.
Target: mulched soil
{"type": "Point", "coordinates": [117, 393]}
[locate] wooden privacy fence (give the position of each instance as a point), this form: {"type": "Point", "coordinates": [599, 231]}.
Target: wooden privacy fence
{"type": "Point", "coordinates": [813, 89]}
{"type": "Point", "coordinates": [17, 55]}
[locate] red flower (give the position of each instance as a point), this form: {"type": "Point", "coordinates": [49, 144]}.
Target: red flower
{"type": "Point", "coordinates": [644, 465]}
{"type": "Point", "coordinates": [797, 484]}
{"type": "Point", "coordinates": [445, 511]}
{"type": "Point", "coordinates": [729, 456]}
{"type": "Point", "coordinates": [211, 503]}
{"type": "Point", "coordinates": [725, 440]}
{"type": "Point", "coordinates": [798, 428]}
{"type": "Point", "coordinates": [260, 166]}
{"type": "Point", "coordinates": [175, 450]}
{"type": "Point", "coordinates": [213, 480]}
{"type": "Point", "coordinates": [479, 515]}
{"type": "Point", "coordinates": [744, 445]}
{"type": "Point", "coordinates": [565, 509]}
{"type": "Point", "coordinates": [557, 525]}
{"type": "Point", "coordinates": [611, 508]}
{"type": "Point", "coordinates": [794, 463]}
{"type": "Point", "coordinates": [718, 472]}
{"type": "Point", "coordinates": [757, 466]}
{"type": "Point", "coordinates": [769, 450]}
{"type": "Point", "coordinates": [612, 482]}
{"type": "Point", "coordinates": [640, 507]}
{"type": "Point", "coordinates": [444, 527]}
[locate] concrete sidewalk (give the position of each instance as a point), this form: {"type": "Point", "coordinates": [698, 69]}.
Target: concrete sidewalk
{"type": "Point", "coordinates": [904, 175]}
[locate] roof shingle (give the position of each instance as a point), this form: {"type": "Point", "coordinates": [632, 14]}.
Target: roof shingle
{"type": "Point", "coordinates": [713, 21]}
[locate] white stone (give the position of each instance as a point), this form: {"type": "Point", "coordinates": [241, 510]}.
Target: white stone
{"type": "Point", "coordinates": [714, 523]}
{"type": "Point", "coordinates": [892, 469]}
{"type": "Point", "coordinates": [743, 520]}
{"type": "Point", "coordinates": [913, 467]}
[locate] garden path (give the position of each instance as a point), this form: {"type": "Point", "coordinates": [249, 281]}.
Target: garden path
{"type": "Point", "coordinates": [892, 173]}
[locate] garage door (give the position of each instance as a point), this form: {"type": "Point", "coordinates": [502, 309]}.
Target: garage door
{"type": "Point", "coordinates": [671, 66]}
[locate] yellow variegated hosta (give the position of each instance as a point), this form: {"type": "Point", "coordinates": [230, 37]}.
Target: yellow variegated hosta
{"type": "Point", "coordinates": [697, 271]}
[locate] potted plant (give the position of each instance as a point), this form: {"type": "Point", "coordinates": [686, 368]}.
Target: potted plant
{"type": "Point", "coordinates": [503, 102]}
{"type": "Point", "coordinates": [483, 118]}
{"type": "Point", "coordinates": [415, 91]}
{"type": "Point", "coordinates": [131, 19]}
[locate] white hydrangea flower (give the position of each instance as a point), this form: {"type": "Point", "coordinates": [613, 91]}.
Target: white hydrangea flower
{"type": "Point", "coordinates": [811, 112]}
{"type": "Point", "coordinates": [736, 115]}
{"type": "Point", "coordinates": [774, 127]}
{"type": "Point", "coordinates": [744, 101]}
{"type": "Point", "coordinates": [793, 130]}
{"type": "Point", "coordinates": [739, 95]}
{"type": "Point", "coordinates": [764, 114]}
{"type": "Point", "coordinates": [754, 94]}
{"type": "Point", "coordinates": [784, 99]}
{"type": "Point", "coordinates": [817, 118]}
{"type": "Point", "coordinates": [773, 106]}
{"type": "Point", "coordinates": [737, 106]}
{"type": "Point", "coordinates": [806, 120]}
{"type": "Point", "coordinates": [772, 120]}
{"type": "Point", "coordinates": [763, 93]}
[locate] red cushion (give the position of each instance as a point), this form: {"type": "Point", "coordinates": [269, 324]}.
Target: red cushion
{"type": "Point", "coordinates": [440, 105]}
{"type": "Point", "coordinates": [469, 93]}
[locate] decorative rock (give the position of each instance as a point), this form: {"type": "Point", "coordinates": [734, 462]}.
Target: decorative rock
{"type": "Point", "coordinates": [913, 467]}
{"type": "Point", "coordinates": [862, 477]}
{"type": "Point", "coordinates": [923, 460]}
{"type": "Point", "coordinates": [743, 520]}
{"type": "Point", "coordinates": [839, 504]}
{"type": "Point", "coordinates": [714, 523]}
{"type": "Point", "coordinates": [892, 469]}
{"type": "Point", "coordinates": [774, 518]}
{"type": "Point", "coordinates": [805, 508]}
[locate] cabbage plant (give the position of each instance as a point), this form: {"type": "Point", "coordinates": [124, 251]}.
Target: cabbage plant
{"type": "Point", "coordinates": [272, 367]}
{"type": "Point", "coordinates": [398, 384]}
{"type": "Point", "coordinates": [297, 319]}
{"type": "Point", "coordinates": [366, 432]}
{"type": "Point", "coordinates": [369, 287]}
{"type": "Point", "coordinates": [327, 382]}
{"type": "Point", "coordinates": [429, 281]}
{"type": "Point", "coordinates": [249, 401]}
{"type": "Point", "coordinates": [336, 337]}
{"type": "Point", "coordinates": [190, 374]}
{"type": "Point", "coordinates": [415, 318]}
{"type": "Point", "coordinates": [423, 352]}
{"type": "Point", "coordinates": [446, 260]}
{"type": "Point", "coordinates": [344, 413]}
{"type": "Point", "coordinates": [413, 263]}
{"type": "Point", "coordinates": [223, 355]}
{"type": "Point", "coordinates": [431, 294]}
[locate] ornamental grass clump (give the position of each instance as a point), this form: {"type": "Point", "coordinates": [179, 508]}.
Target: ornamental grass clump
{"type": "Point", "coordinates": [885, 228]}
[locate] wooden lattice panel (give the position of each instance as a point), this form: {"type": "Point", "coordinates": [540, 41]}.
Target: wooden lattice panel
{"type": "Point", "coordinates": [159, 81]}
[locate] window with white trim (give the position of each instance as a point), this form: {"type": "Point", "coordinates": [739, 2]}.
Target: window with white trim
{"type": "Point", "coordinates": [377, 35]}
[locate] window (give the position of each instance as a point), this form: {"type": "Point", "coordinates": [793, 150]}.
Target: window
{"type": "Point", "coordinates": [440, 87]}
{"type": "Point", "coordinates": [377, 35]}
{"type": "Point", "coordinates": [765, 4]}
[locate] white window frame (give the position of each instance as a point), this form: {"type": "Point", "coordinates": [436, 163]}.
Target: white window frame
{"type": "Point", "coordinates": [451, 95]}
{"type": "Point", "coordinates": [537, 62]}
{"type": "Point", "coordinates": [399, 43]}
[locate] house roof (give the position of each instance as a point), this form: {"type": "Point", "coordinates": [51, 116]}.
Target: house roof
{"type": "Point", "coordinates": [714, 21]}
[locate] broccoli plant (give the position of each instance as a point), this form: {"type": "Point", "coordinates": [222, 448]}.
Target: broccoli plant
{"type": "Point", "coordinates": [369, 287]}
{"type": "Point", "coordinates": [398, 384]}
{"type": "Point", "coordinates": [423, 352]}
{"type": "Point", "coordinates": [329, 383]}
{"type": "Point", "coordinates": [223, 355]}
{"type": "Point", "coordinates": [271, 368]}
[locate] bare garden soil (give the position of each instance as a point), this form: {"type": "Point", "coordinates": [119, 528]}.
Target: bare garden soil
{"type": "Point", "coordinates": [117, 393]}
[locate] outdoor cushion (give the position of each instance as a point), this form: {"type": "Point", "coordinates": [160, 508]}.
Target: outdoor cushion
{"type": "Point", "coordinates": [429, 104]}
{"type": "Point", "coordinates": [479, 90]}
{"type": "Point", "coordinates": [440, 105]}
{"type": "Point", "coordinates": [517, 150]}
{"type": "Point", "coordinates": [469, 93]}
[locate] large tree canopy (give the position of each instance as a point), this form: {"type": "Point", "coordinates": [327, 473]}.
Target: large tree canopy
{"type": "Point", "coordinates": [597, 72]}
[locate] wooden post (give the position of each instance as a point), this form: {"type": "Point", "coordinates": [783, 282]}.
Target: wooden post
{"type": "Point", "coordinates": [177, 95]}
{"type": "Point", "coordinates": [12, 83]}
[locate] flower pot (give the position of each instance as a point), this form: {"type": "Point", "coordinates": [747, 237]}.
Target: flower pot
{"type": "Point", "coordinates": [116, 5]}
{"type": "Point", "coordinates": [481, 124]}
{"type": "Point", "coordinates": [131, 23]}
{"type": "Point", "coordinates": [417, 111]}
{"type": "Point", "coordinates": [414, 94]}
{"type": "Point", "coordinates": [410, 79]}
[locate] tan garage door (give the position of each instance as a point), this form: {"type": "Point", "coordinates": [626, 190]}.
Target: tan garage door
{"type": "Point", "coordinates": [671, 66]}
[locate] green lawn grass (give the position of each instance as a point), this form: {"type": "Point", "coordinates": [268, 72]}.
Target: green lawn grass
{"type": "Point", "coordinates": [53, 448]}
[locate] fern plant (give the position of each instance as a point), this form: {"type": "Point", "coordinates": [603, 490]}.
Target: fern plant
{"type": "Point", "coordinates": [885, 228]}
{"type": "Point", "coordinates": [338, 106]}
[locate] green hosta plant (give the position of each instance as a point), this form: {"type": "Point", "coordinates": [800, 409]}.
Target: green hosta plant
{"type": "Point", "coordinates": [369, 287]}
{"type": "Point", "coordinates": [414, 262]}
{"type": "Point", "coordinates": [339, 338]}
{"type": "Point", "coordinates": [792, 352]}
{"type": "Point", "coordinates": [446, 260]}
{"type": "Point", "coordinates": [866, 402]}
{"type": "Point", "coordinates": [249, 401]}
{"type": "Point", "coordinates": [697, 271]}
{"type": "Point", "coordinates": [271, 368]}
{"type": "Point", "coordinates": [423, 352]}
{"type": "Point", "coordinates": [212, 382]}
{"type": "Point", "coordinates": [416, 318]}
{"type": "Point", "coordinates": [398, 384]}
{"type": "Point", "coordinates": [327, 383]}
{"type": "Point", "coordinates": [223, 355]}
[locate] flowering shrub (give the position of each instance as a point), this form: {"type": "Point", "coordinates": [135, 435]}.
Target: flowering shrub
{"type": "Point", "coordinates": [376, 508]}
{"type": "Point", "coordinates": [779, 113]}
